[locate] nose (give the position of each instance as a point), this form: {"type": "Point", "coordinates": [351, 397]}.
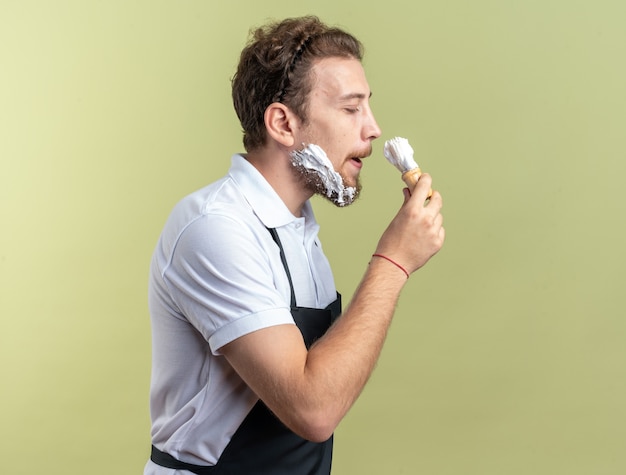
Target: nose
{"type": "Point", "coordinates": [371, 130]}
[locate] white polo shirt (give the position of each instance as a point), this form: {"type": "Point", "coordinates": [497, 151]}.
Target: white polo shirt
{"type": "Point", "coordinates": [216, 275]}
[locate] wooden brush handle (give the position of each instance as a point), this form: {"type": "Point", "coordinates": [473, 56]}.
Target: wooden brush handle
{"type": "Point", "coordinates": [410, 178]}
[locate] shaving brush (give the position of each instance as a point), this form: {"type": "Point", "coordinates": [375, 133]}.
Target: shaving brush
{"type": "Point", "coordinates": [399, 153]}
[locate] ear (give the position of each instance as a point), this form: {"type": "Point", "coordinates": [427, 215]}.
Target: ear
{"type": "Point", "coordinates": [280, 123]}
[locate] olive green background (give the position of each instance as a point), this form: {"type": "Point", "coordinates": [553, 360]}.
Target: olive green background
{"type": "Point", "coordinates": [508, 351]}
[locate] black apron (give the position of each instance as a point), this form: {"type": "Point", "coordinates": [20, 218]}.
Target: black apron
{"type": "Point", "coordinates": [262, 445]}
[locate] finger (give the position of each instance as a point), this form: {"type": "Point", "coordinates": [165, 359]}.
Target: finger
{"type": "Point", "coordinates": [435, 202]}
{"type": "Point", "coordinates": [438, 221]}
{"type": "Point", "coordinates": [422, 188]}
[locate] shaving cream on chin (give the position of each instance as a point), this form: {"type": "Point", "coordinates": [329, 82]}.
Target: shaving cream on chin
{"type": "Point", "coordinates": [314, 160]}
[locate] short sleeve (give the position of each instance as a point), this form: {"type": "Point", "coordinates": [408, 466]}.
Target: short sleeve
{"type": "Point", "coordinates": [224, 278]}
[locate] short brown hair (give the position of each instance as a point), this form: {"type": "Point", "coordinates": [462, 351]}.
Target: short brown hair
{"type": "Point", "coordinates": [275, 66]}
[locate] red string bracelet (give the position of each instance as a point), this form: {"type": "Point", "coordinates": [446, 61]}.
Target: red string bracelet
{"type": "Point", "coordinates": [394, 263]}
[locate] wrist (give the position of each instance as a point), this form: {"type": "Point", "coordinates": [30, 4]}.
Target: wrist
{"type": "Point", "coordinates": [392, 262]}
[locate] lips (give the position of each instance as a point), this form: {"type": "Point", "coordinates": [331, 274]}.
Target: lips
{"type": "Point", "coordinates": [356, 161]}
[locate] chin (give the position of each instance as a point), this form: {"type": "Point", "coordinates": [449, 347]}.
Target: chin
{"type": "Point", "coordinates": [348, 197]}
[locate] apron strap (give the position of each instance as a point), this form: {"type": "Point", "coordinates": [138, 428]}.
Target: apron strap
{"type": "Point", "coordinates": [166, 460]}
{"type": "Point", "coordinates": [284, 261]}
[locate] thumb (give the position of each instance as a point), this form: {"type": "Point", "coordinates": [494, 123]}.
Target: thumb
{"type": "Point", "coordinates": [407, 195]}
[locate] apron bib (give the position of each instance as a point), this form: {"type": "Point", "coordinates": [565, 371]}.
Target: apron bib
{"type": "Point", "coordinates": [262, 445]}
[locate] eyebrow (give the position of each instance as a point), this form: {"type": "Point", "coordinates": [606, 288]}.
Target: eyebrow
{"type": "Point", "coordinates": [354, 95]}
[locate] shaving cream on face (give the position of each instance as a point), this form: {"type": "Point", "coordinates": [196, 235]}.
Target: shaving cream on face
{"type": "Point", "coordinates": [313, 159]}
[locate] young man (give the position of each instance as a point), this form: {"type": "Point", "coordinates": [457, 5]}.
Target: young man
{"type": "Point", "coordinates": [253, 368]}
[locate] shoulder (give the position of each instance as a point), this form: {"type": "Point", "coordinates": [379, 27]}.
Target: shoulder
{"type": "Point", "coordinates": [211, 214]}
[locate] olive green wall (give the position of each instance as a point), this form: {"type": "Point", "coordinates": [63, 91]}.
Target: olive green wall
{"type": "Point", "coordinates": [508, 352]}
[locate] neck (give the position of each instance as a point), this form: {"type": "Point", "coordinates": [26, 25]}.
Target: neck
{"type": "Point", "coordinates": [275, 166]}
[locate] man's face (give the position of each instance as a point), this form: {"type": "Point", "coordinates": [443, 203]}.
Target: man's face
{"type": "Point", "coordinates": [339, 118]}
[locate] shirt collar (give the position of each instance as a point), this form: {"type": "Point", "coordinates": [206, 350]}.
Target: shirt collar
{"type": "Point", "coordinates": [263, 199]}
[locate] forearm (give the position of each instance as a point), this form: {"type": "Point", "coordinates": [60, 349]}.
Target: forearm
{"type": "Point", "coordinates": [339, 365]}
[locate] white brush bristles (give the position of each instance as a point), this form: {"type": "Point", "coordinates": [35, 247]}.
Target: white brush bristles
{"type": "Point", "coordinates": [399, 153]}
